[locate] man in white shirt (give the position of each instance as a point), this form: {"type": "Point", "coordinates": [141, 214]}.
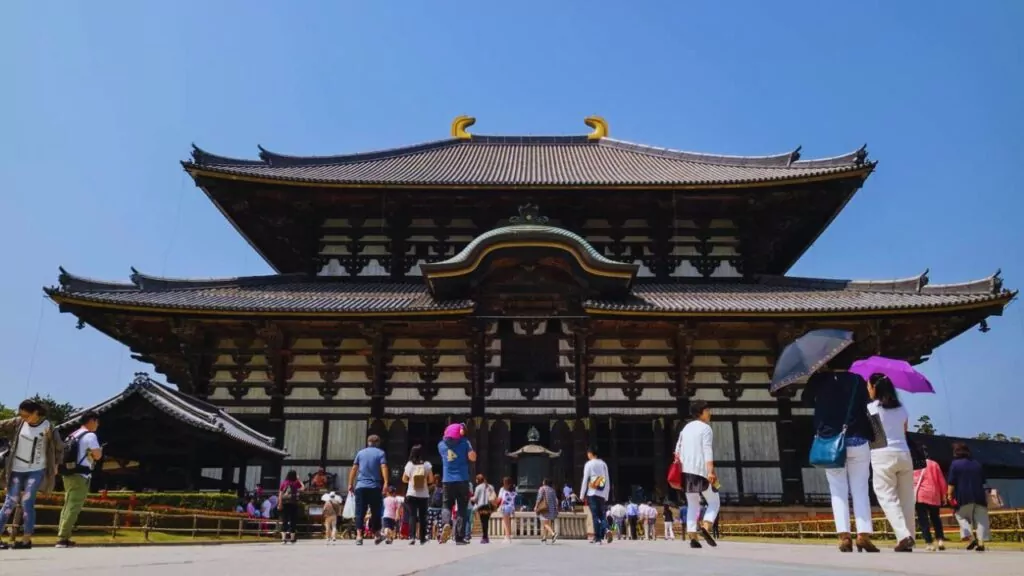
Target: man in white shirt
{"type": "Point", "coordinates": [694, 450]}
{"type": "Point", "coordinates": [78, 476]}
{"type": "Point", "coordinates": [595, 489]}
{"type": "Point", "coordinates": [651, 515]}
{"type": "Point", "coordinates": [618, 513]}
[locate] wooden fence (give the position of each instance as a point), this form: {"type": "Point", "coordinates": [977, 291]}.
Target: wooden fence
{"type": "Point", "coordinates": [1005, 526]}
{"type": "Point", "coordinates": [195, 525]}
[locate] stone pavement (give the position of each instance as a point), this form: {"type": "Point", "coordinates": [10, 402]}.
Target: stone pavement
{"type": "Point", "coordinates": [497, 559]}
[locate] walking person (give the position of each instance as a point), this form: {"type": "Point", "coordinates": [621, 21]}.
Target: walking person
{"type": "Point", "coordinates": [618, 514]}
{"type": "Point", "coordinates": [33, 457]}
{"type": "Point", "coordinates": [368, 482]}
{"type": "Point", "coordinates": [670, 533]}
{"type": "Point", "coordinates": [930, 493]}
{"type": "Point", "coordinates": [595, 489]}
{"type": "Point", "coordinates": [694, 449]}
{"type": "Point", "coordinates": [891, 464]}
{"type": "Point", "coordinates": [418, 476]}
{"type": "Point", "coordinates": [652, 520]}
{"type": "Point", "coordinates": [507, 505]}
{"type": "Point", "coordinates": [81, 453]}
{"type": "Point", "coordinates": [632, 519]}
{"type": "Point", "coordinates": [393, 505]}
{"type": "Point", "coordinates": [332, 509]}
{"type": "Point", "coordinates": [546, 509]}
{"type": "Point", "coordinates": [484, 497]}
{"type": "Point", "coordinates": [840, 399]}
{"type": "Point", "coordinates": [288, 504]}
{"type": "Point", "coordinates": [966, 493]}
{"type": "Point", "coordinates": [456, 455]}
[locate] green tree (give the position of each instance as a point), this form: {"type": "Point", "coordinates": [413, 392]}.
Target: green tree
{"type": "Point", "coordinates": [924, 426]}
{"type": "Point", "coordinates": [983, 436]}
{"type": "Point", "coordinates": [6, 412]}
{"type": "Point", "coordinates": [1000, 437]}
{"type": "Point", "coordinates": [56, 412]}
{"type": "Point", "coordinates": [1015, 439]}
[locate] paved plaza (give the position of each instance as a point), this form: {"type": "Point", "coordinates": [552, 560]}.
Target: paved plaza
{"type": "Point", "coordinates": [519, 558]}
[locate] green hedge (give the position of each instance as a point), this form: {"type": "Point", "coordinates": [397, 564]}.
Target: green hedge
{"type": "Point", "coordinates": [211, 501]}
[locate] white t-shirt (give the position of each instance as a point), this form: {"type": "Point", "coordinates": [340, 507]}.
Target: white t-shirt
{"type": "Point", "coordinates": [894, 422]}
{"type": "Point", "coordinates": [618, 511]}
{"type": "Point", "coordinates": [410, 491]}
{"type": "Point", "coordinates": [392, 507]}
{"type": "Point", "coordinates": [265, 508]}
{"type": "Point", "coordinates": [695, 448]}
{"type": "Point", "coordinates": [31, 452]}
{"type": "Point", "coordinates": [88, 442]}
{"type": "Point", "coordinates": [595, 479]}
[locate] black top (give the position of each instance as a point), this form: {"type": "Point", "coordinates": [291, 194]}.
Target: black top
{"type": "Point", "coordinates": [829, 394]}
{"type": "Point", "coordinates": [968, 481]}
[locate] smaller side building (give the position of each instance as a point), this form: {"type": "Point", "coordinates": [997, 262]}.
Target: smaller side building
{"type": "Point", "coordinates": [156, 438]}
{"type": "Point", "coordinates": [1003, 462]}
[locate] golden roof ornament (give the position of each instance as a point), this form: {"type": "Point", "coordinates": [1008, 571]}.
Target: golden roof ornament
{"type": "Point", "coordinates": [599, 125]}
{"type": "Point", "coordinates": [459, 126]}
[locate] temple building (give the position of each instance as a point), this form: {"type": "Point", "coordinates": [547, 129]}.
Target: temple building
{"type": "Point", "coordinates": [583, 286]}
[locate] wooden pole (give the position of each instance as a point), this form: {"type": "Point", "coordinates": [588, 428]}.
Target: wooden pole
{"type": "Point", "coordinates": [113, 531]}
{"type": "Point", "coordinates": [195, 521]}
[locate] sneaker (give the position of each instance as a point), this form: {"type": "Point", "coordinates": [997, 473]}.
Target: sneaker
{"type": "Point", "coordinates": [63, 543]}
{"type": "Point", "coordinates": [21, 545]}
{"type": "Point", "coordinates": [4, 546]}
{"type": "Point", "coordinates": [413, 542]}
{"type": "Point", "coordinates": [378, 540]}
{"type": "Point", "coordinates": [485, 540]}
{"type": "Point", "coordinates": [980, 548]}
{"type": "Point", "coordinates": [359, 541]}
{"type": "Point", "coordinates": [446, 533]}
{"type": "Point", "coordinates": [695, 544]}
{"type": "Point", "coordinates": [930, 548]}
{"type": "Point", "coordinates": [461, 542]}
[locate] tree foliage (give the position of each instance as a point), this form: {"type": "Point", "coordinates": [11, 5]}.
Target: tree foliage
{"type": "Point", "coordinates": [56, 412]}
{"type": "Point", "coordinates": [924, 426]}
{"type": "Point", "coordinates": [6, 412]}
{"type": "Point", "coordinates": [998, 437]}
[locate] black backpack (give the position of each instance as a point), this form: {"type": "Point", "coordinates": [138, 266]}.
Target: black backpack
{"type": "Point", "coordinates": [69, 463]}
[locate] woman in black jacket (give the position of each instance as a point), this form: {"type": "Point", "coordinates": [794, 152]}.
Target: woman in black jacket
{"type": "Point", "coordinates": [840, 399]}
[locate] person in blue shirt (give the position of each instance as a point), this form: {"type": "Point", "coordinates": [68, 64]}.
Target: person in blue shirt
{"type": "Point", "coordinates": [632, 515]}
{"type": "Point", "coordinates": [368, 481]}
{"type": "Point", "coordinates": [456, 455]}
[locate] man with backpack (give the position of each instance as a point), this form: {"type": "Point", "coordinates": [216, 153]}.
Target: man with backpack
{"type": "Point", "coordinates": [81, 452]}
{"type": "Point", "coordinates": [456, 454]}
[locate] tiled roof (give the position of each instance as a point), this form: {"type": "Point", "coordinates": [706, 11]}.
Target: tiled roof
{"type": "Point", "coordinates": [781, 295]}
{"type": "Point", "coordinates": [187, 409]}
{"type": "Point", "coordinates": [285, 293]}
{"type": "Point", "coordinates": [300, 294]}
{"type": "Point", "coordinates": [529, 161]}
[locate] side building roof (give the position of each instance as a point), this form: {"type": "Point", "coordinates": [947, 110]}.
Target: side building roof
{"type": "Point", "coordinates": [187, 409]}
{"type": "Point", "coordinates": [325, 296]}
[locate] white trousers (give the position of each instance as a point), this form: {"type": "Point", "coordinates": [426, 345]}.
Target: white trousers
{"type": "Point", "coordinates": [852, 480]}
{"type": "Point", "coordinates": [669, 531]}
{"type": "Point", "coordinates": [893, 481]}
{"type": "Point", "coordinates": [693, 508]}
{"type": "Point", "coordinates": [977, 517]}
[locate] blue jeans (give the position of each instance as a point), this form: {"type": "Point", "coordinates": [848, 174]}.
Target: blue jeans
{"type": "Point", "coordinates": [22, 486]}
{"type": "Point", "coordinates": [597, 510]}
{"type": "Point", "coordinates": [371, 499]}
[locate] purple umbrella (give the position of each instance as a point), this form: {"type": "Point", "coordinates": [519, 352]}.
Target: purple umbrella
{"type": "Point", "coordinates": [902, 374]}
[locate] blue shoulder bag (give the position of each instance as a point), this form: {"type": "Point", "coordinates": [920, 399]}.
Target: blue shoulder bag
{"type": "Point", "coordinates": [830, 452]}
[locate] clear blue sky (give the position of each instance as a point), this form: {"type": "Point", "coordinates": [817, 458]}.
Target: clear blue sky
{"type": "Point", "coordinates": [101, 101]}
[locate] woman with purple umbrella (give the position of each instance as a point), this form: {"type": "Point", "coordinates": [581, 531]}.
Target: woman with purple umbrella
{"type": "Point", "coordinates": [900, 372]}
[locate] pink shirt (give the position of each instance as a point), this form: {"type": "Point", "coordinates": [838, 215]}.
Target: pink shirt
{"type": "Point", "coordinates": [930, 484]}
{"type": "Point", "coordinates": [392, 504]}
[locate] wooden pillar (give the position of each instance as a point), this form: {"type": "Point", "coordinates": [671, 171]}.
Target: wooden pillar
{"type": "Point", "coordinates": [378, 371]}
{"type": "Point", "coordinates": [581, 390]}
{"type": "Point", "coordinates": [581, 438]}
{"type": "Point", "coordinates": [789, 459]}
{"type": "Point", "coordinates": [478, 369]}
{"type": "Point", "coordinates": [399, 233]}
{"type": "Point", "coordinates": [481, 443]}
{"type": "Point", "coordinates": [683, 369]}
{"type": "Point", "coordinates": [739, 458]}
{"type": "Point", "coordinates": [613, 461]}
{"type": "Point", "coordinates": [661, 458]}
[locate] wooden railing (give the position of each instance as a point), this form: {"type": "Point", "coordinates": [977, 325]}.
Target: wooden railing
{"type": "Point", "coordinates": [1005, 525]}
{"type": "Point", "coordinates": [568, 525]}
{"type": "Point", "coordinates": [195, 525]}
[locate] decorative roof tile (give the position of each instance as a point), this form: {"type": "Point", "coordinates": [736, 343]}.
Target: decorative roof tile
{"type": "Point", "coordinates": [529, 161]}
{"type": "Point", "coordinates": [782, 295]}
{"type": "Point", "coordinates": [283, 293]}
{"type": "Point", "coordinates": [301, 294]}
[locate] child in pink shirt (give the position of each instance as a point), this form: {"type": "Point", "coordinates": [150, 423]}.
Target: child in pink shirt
{"type": "Point", "coordinates": [930, 492]}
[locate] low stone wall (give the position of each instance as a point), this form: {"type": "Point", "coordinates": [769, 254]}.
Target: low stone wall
{"type": "Point", "coordinates": [568, 526]}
